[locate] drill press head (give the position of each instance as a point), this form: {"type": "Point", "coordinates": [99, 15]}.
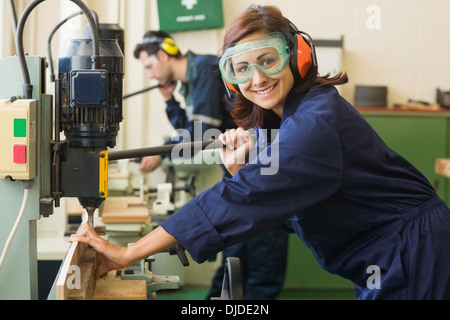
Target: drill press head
{"type": "Point", "coordinates": [89, 102]}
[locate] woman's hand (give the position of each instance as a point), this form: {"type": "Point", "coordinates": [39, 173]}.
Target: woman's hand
{"type": "Point", "coordinates": [239, 143]}
{"type": "Point", "coordinates": [113, 256]}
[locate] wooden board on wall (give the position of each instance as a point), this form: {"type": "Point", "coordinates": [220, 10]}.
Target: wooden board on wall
{"type": "Point", "coordinates": [124, 209]}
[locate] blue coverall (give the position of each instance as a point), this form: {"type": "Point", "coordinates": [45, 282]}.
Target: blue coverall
{"type": "Point", "coordinates": [204, 94]}
{"type": "Point", "coordinates": [364, 211]}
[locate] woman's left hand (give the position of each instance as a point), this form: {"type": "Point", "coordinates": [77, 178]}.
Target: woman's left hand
{"type": "Point", "coordinates": [113, 256]}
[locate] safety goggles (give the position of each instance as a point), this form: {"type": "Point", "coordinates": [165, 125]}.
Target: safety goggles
{"type": "Point", "coordinates": [267, 53]}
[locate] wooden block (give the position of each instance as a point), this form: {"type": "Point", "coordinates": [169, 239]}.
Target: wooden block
{"type": "Point", "coordinates": [442, 166]}
{"type": "Point", "coordinates": [112, 287]}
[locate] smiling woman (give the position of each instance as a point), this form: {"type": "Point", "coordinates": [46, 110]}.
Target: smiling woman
{"type": "Point", "coordinates": [257, 63]}
{"type": "Point", "coordinates": [364, 211]}
{"type": "Point", "coordinates": [259, 101]}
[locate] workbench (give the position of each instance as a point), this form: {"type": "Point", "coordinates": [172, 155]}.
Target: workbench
{"type": "Point", "coordinates": [419, 136]}
{"type": "Point", "coordinates": [76, 279]}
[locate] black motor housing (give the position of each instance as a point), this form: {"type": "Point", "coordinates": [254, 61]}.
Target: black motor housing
{"type": "Point", "coordinates": [90, 100]}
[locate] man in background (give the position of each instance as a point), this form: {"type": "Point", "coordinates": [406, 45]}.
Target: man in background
{"type": "Point", "coordinates": [201, 86]}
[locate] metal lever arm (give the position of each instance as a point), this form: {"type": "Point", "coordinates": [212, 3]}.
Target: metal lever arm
{"type": "Point", "coordinates": [153, 151]}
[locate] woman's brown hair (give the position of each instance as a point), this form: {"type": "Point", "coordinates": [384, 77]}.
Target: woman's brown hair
{"type": "Point", "coordinates": [268, 19]}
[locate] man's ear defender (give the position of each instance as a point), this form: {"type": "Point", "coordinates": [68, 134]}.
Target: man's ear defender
{"type": "Point", "coordinates": [169, 46]}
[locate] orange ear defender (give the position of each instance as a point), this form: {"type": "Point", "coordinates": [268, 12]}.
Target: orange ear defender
{"type": "Point", "coordinates": [232, 87]}
{"type": "Point", "coordinates": [303, 54]}
{"type": "Point", "coordinates": [301, 60]}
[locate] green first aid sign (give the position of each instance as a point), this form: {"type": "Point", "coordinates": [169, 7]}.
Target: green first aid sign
{"type": "Point", "coordinates": [186, 15]}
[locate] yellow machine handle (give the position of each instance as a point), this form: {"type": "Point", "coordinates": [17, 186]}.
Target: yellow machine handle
{"type": "Point", "coordinates": [103, 175]}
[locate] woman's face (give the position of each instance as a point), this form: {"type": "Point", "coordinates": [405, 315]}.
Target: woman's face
{"type": "Point", "coordinates": [267, 91]}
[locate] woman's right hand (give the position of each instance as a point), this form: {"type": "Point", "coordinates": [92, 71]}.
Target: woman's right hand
{"type": "Point", "coordinates": [238, 144]}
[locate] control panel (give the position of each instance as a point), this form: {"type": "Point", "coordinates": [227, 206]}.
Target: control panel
{"type": "Point", "coordinates": [18, 139]}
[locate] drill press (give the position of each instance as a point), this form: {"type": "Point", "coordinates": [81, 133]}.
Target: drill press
{"type": "Point", "coordinates": [88, 109]}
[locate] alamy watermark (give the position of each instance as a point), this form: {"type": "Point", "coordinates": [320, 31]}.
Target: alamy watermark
{"type": "Point", "coordinates": [73, 277]}
{"type": "Point", "coordinates": [264, 153]}
{"type": "Point", "coordinates": [374, 280]}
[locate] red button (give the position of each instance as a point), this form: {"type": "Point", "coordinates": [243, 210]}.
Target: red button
{"type": "Point", "coordinates": [20, 154]}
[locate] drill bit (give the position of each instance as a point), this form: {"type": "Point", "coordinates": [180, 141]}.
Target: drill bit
{"type": "Point", "coordinates": [90, 211]}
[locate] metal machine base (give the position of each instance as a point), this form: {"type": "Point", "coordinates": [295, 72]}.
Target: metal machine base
{"type": "Point", "coordinates": [232, 287]}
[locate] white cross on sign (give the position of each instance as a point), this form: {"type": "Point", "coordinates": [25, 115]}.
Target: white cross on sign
{"type": "Point", "coordinates": [189, 4]}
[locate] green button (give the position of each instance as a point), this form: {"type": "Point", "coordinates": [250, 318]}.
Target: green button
{"type": "Point", "coordinates": [20, 128]}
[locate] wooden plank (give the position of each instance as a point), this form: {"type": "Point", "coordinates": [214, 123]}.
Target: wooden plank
{"type": "Point", "coordinates": [76, 280]}
{"type": "Point", "coordinates": [81, 261]}
{"type": "Point", "coordinates": [417, 106]}
{"type": "Point", "coordinates": [124, 209]}
{"type": "Point", "coordinates": [62, 291]}
{"type": "Point", "coordinates": [73, 207]}
{"type": "Point", "coordinates": [87, 264]}
{"type": "Point", "coordinates": [111, 287]}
